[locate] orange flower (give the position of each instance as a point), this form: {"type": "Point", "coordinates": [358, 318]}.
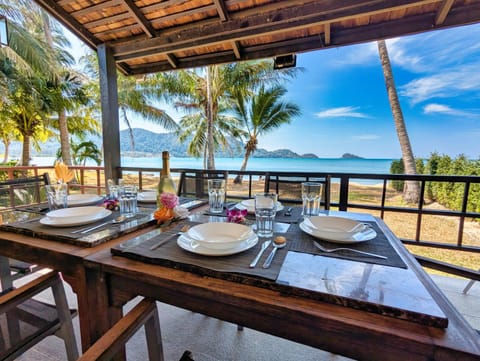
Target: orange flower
{"type": "Point", "coordinates": [62, 172]}
{"type": "Point", "coordinates": [163, 214]}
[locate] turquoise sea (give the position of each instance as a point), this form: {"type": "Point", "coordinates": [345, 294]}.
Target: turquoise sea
{"type": "Point", "coordinates": [337, 165]}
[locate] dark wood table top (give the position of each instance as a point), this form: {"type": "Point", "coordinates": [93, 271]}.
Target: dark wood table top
{"type": "Point", "coordinates": [338, 327]}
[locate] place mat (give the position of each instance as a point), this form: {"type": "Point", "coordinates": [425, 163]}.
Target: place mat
{"type": "Point", "coordinates": [33, 227]}
{"type": "Point", "coordinates": [303, 242]}
{"type": "Point", "coordinates": [234, 267]}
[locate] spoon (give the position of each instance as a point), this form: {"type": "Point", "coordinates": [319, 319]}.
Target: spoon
{"type": "Point", "coordinates": [278, 242]}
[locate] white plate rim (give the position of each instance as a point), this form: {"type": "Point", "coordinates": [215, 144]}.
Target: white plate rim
{"type": "Point", "coordinates": [251, 209]}
{"type": "Point", "coordinates": [87, 199]}
{"type": "Point", "coordinates": [89, 211]}
{"type": "Point", "coordinates": [228, 245]}
{"type": "Point", "coordinates": [78, 222]}
{"type": "Point", "coordinates": [332, 219]}
{"type": "Point", "coordinates": [243, 246]}
{"type": "Point", "coordinates": [316, 233]}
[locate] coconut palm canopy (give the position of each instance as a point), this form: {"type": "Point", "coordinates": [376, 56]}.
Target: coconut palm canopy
{"type": "Point", "coordinates": [147, 36]}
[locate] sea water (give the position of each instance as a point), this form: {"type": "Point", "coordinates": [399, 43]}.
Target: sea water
{"type": "Point", "coordinates": [328, 165]}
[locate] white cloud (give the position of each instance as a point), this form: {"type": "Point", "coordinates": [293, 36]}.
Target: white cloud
{"type": "Point", "coordinates": [366, 137]}
{"type": "Point", "coordinates": [344, 112]}
{"type": "Point", "coordinates": [443, 85]}
{"type": "Point", "coordinates": [434, 108]}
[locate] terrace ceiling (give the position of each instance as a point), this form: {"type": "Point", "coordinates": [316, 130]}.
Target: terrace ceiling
{"type": "Point", "coordinates": [148, 36]}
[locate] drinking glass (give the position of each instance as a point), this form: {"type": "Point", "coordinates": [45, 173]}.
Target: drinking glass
{"type": "Point", "coordinates": [57, 195]}
{"type": "Point", "coordinates": [127, 200]}
{"type": "Point", "coordinates": [265, 210]}
{"type": "Point", "coordinates": [216, 195]}
{"type": "Point", "coordinates": [311, 198]}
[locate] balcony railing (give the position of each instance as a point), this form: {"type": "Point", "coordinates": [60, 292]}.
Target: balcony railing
{"type": "Point", "coordinates": [346, 195]}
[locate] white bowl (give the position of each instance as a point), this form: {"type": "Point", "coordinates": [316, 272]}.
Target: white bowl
{"type": "Point", "coordinates": [219, 235]}
{"type": "Point", "coordinates": [250, 205]}
{"type": "Point", "coordinates": [336, 228]}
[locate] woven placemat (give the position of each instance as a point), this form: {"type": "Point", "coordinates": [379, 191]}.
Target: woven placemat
{"type": "Point", "coordinates": [303, 242]}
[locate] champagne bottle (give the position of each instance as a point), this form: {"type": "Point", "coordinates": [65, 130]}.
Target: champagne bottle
{"type": "Point", "coordinates": [166, 184]}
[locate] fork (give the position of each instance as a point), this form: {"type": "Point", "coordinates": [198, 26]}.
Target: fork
{"type": "Point", "coordinates": [327, 250]}
{"type": "Point", "coordinates": [183, 230]}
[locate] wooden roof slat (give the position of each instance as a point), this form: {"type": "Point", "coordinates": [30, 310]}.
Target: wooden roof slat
{"type": "Point", "coordinates": [96, 8]}
{"type": "Point", "coordinates": [443, 11]}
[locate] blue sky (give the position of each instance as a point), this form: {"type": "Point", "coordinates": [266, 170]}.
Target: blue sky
{"type": "Point", "coordinates": [345, 108]}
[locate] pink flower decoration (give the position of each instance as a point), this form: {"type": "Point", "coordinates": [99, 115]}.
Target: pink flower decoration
{"type": "Point", "coordinates": [169, 200]}
{"type": "Point", "coordinates": [236, 215]}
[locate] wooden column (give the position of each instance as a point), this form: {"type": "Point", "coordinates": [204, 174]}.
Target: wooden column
{"type": "Point", "coordinates": [110, 117]}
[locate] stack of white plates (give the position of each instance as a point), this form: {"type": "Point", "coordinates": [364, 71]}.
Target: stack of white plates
{"type": "Point", "coordinates": [337, 229]}
{"type": "Point", "coordinates": [218, 239]}
{"type": "Point", "coordinates": [249, 204]}
{"type": "Point", "coordinates": [75, 216]}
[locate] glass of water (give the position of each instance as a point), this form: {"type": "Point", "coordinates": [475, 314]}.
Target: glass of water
{"type": "Point", "coordinates": [265, 210]}
{"type": "Point", "coordinates": [127, 200]}
{"type": "Point", "coordinates": [311, 198]}
{"type": "Point", "coordinates": [216, 195]}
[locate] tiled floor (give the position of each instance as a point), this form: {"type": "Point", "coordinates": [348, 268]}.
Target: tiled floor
{"type": "Point", "coordinates": [213, 340]}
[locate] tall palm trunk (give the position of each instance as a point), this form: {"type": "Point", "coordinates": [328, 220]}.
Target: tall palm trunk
{"type": "Point", "coordinates": [64, 137]}
{"type": "Point", "coordinates": [210, 143]}
{"type": "Point", "coordinates": [26, 150]}
{"type": "Point", "coordinates": [411, 191]}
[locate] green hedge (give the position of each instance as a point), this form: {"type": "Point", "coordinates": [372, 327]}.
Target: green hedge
{"type": "Point", "coordinates": [448, 194]}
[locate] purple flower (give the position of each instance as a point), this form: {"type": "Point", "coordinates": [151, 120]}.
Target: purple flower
{"type": "Point", "coordinates": [236, 215]}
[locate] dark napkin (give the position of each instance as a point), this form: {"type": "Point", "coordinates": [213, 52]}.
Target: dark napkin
{"type": "Point", "coordinates": [303, 242]}
{"type": "Point", "coordinates": [234, 267]}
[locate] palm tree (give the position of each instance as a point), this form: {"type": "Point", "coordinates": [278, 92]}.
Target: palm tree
{"type": "Point", "coordinates": [260, 114]}
{"type": "Point", "coordinates": [411, 191]}
{"type": "Point", "coordinates": [208, 93]}
{"type": "Point", "coordinates": [136, 96]}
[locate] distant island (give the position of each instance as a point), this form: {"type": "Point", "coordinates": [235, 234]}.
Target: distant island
{"type": "Point", "coordinates": [149, 144]}
{"type": "Point", "coordinates": [351, 156]}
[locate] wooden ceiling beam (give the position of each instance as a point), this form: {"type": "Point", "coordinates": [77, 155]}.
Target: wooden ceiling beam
{"type": "Point", "coordinates": [269, 23]}
{"type": "Point", "coordinates": [327, 34]}
{"type": "Point", "coordinates": [221, 9]}
{"type": "Point", "coordinates": [442, 13]}
{"type": "Point", "coordinates": [343, 37]}
{"type": "Point", "coordinates": [172, 60]}
{"type": "Point", "coordinates": [236, 49]}
{"type": "Point", "coordinates": [140, 18]}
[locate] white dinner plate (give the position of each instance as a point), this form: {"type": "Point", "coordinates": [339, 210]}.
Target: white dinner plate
{"type": "Point", "coordinates": [75, 200]}
{"type": "Point", "coordinates": [70, 222]}
{"type": "Point", "coordinates": [186, 243]}
{"type": "Point", "coordinates": [250, 205]}
{"type": "Point", "coordinates": [75, 213]}
{"type": "Point", "coordinates": [219, 235]}
{"type": "Point", "coordinates": [147, 197]}
{"type": "Point", "coordinates": [338, 237]}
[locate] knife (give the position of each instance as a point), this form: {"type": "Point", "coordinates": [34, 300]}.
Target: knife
{"type": "Point", "coordinates": [257, 258]}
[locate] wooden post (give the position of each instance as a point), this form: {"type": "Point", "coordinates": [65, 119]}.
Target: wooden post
{"type": "Point", "coordinates": [110, 117]}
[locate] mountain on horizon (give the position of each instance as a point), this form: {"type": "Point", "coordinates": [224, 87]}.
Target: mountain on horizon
{"type": "Point", "coordinates": [149, 144]}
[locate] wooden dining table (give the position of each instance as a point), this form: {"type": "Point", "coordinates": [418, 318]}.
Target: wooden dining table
{"type": "Point", "coordinates": [362, 310]}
